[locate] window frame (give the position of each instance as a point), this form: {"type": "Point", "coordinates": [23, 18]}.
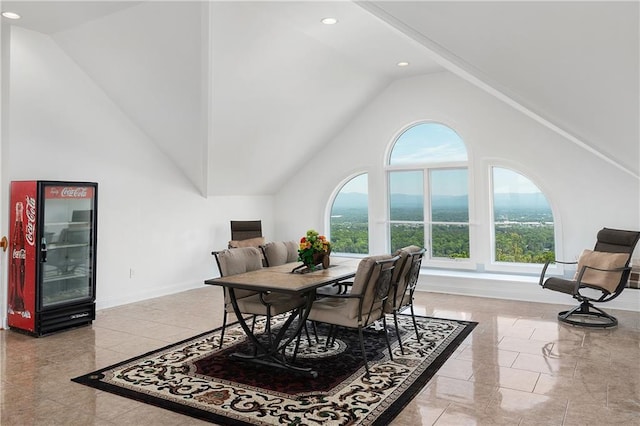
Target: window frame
{"type": "Point", "coordinates": [518, 267]}
{"type": "Point", "coordinates": [426, 168]}
{"type": "Point", "coordinates": [329, 207]}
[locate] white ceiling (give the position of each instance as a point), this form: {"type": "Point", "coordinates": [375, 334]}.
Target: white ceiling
{"type": "Point", "coordinates": [282, 82]}
{"type": "Point", "coordinates": [49, 17]}
{"type": "Point", "coordinates": [574, 64]}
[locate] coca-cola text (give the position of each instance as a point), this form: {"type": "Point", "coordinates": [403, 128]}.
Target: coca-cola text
{"type": "Point", "coordinates": [68, 192]}
{"type": "Point", "coordinates": [30, 235]}
{"type": "Point", "coordinates": [78, 192]}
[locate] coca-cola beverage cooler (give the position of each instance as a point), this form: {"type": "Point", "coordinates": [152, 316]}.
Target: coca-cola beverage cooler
{"type": "Point", "coordinates": [52, 273]}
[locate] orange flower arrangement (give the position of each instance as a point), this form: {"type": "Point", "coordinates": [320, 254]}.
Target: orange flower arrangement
{"type": "Point", "coordinates": [311, 244]}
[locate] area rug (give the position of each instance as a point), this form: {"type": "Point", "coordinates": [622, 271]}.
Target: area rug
{"type": "Point", "coordinates": [196, 378]}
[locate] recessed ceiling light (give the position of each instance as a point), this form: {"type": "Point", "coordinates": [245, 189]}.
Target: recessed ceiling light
{"type": "Point", "coordinates": [403, 64]}
{"type": "Point", "coordinates": [11, 15]}
{"type": "Point", "coordinates": [329, 21]}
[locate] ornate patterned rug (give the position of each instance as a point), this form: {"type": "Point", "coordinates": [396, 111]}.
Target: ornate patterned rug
{"type": "Point", "coordinates": [196, 378]}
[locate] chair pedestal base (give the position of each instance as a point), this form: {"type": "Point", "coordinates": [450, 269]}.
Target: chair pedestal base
{"type": "Point", "coordinates": [587, 315]}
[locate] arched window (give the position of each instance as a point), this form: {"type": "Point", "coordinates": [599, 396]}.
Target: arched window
{"type": "Point", "coordinates": [349, 223]}
{"type": "Point", "coordinates": [428, 143]}
{"type": "Point", "coordinates": [429, 192]}
{"type": "Point", "coordinates": [523, 222]}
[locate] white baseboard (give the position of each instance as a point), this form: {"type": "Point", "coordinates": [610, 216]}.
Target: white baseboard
{"type": "Point", "coordinates": [511, 287]}
{"type": "Point", "coordinates": [498, 286]}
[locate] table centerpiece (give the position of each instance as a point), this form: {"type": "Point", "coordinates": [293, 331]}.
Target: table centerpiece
{"type": "Point", "coordinates": [314, 250]}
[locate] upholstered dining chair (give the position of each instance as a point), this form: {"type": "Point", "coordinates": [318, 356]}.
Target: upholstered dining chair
{"type": "Point", "coordinates": [280, 252]}
{"type": "Point", "coordinates": [405, 279]}
{"type": "Point", "coordinates": [601, 275]}
{"type": "Point", "coordinates": [246, 259]}
{"type": "Point", "coordinates": [247, 233]}
{"type": "Point", "coordinates": [363, 305]}
{"type": "Point", "coordinates": [245, 229]}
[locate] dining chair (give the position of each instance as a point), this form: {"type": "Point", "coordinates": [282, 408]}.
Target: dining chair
{"type": "Point", "coordinates": [269, 304]}
{"type": "Point", "coordinates": [405, 279]}
{"type": "Point", "coordinates": [363, 305]}
{"type": "Point", "coordinates": [245, 229]}
{"type": "Point", "coordinates": [247, 233]}
{"type": "Point", "coordinates": [280, 252]}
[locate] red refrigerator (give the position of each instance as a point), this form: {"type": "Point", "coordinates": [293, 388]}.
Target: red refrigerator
{"type": "Point", "coordinates": [52, 273]}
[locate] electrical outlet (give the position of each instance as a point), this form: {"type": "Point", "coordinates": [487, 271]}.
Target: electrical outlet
{"type": "Point", "coordinates": [131, 272]}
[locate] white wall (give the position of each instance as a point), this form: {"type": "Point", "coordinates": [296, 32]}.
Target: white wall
{"type": "Point", "coordinates": [151, 219]}
{"type": "Point", "coordinates": [150, 60]}
{"type": "Point", "coordinates": [586, 192]}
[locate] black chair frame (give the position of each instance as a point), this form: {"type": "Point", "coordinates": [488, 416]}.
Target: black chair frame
{"type": "Point", "coordinates": [381, 293]}
{"type": "Point", "coordinates": [407, 298]}
{"type": "Point", "coordinates": [586, 314]}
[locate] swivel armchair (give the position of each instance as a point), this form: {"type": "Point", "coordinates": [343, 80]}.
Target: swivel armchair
{"type": "Point", "coordinates": [601, 275]}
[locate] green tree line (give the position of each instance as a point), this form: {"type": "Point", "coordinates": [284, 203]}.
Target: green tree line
{"type": "Point", "coordinates": [515, 242]}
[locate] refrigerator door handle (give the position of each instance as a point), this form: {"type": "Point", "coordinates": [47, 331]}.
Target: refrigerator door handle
{"type": "Point", "coordinates": [43, 250]}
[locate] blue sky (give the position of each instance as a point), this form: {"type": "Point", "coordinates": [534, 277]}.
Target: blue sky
{"type": "Point", "coordinates": [428, 142]}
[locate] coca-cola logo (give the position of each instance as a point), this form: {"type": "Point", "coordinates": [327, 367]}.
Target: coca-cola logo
{"type": "Point", "coordinates": [75, 192]}
{"type": "Point", "coordinates": [19, 254]}
{"type": "Point", "coordinates": [30, 234]}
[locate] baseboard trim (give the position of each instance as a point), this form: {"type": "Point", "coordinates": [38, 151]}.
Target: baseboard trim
{"type": "Point", "coordinates": [510, 287]}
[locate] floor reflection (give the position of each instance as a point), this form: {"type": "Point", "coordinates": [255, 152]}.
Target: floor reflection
{"type": "Point", "coordinates": [519, 366]}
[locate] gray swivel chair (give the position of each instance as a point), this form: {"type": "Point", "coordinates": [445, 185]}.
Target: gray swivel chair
{"type": "Point", "coordinates": [601, 275]}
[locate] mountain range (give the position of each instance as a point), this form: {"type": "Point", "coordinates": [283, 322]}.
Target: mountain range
{"type": "Point", "coordinates": [357, 200]}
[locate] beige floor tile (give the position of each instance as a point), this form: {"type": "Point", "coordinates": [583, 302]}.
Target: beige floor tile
{"type": "Point", "coordinates": [461, 392]}
{"type": "Point", "coordinates": [420, 412]}
{"type": "Point", "coordinates": [519, 366]}
{"type": "Point", "coordinates": [580, 415]}
{"type": "Point", "coordinates": [490, 355]}
{"type": "Point", "coordinates": [456, 415]}
{"type": "Point", "coordinates": [531, 407]}
{"type": "Point", "coordinates": [525, 345]}
{"type": "Point", "coordinates": [546, 364]}
{"type": "Point", "coordinates": [505, 377]}
{"type": "Point", "coordinates": [456, 369]}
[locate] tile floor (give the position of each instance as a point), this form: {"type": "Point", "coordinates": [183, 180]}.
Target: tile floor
{"type": "Point", "coordinates": [518, 367]}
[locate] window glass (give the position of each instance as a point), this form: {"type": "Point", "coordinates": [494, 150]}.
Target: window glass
{"type": "Point", "coordinates": [406, 234]}
{"type": "Point", "coordinates": [449, 195]}
{"type": "Point", "coordinates": [406, 195]}
{"type": "Point", "coordinates": [406, 208]}
{"type": "Point", "coordinates": [428, 143]}
{"type": "Point", "coordinates": [523, 220]}
{"type": "Point", "coordinates": [450, 241]}
{"type": "Point", "coordinates": [349, 224]}
{"type": "Point", "coordinates": [429, 205]}
{"type": "Point", "coordinates": [449, 213]}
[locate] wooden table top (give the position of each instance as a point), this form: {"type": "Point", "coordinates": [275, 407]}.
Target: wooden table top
{"type": "Point", "coordinates": [281, 279]}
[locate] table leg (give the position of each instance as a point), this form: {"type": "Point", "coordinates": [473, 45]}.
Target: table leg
{"type": "Point", "coordinates": [270, 355]}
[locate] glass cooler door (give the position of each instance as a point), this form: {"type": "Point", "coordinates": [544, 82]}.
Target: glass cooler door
{"type": "Point", "coordinates": [66, 246]}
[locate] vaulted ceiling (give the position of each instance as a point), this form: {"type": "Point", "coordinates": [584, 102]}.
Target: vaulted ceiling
{"type": "Point", "coordinates": [244, 92]}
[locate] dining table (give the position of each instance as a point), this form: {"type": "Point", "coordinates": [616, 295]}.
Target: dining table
{"type": "Point", "coordinates": [288, 279]}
